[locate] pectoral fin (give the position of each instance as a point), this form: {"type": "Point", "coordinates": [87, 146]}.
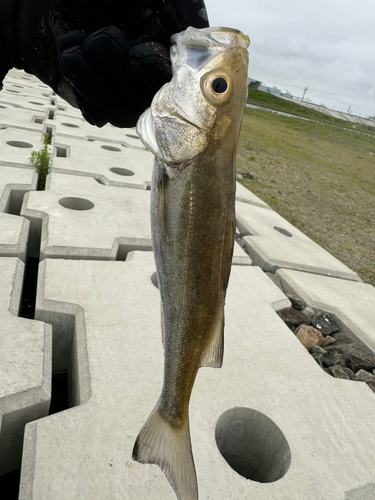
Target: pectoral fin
{"type": "Point", "coordinates": [162, 203]}
{"type": "Point", "coordinates": [162, 329]}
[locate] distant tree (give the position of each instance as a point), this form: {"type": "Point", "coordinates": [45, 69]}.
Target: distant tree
{"type": "Point", "coordinates": [254, 84]}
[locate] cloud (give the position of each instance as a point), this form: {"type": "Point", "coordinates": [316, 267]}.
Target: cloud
{"type": "Point", "coordinates": [327, 46]}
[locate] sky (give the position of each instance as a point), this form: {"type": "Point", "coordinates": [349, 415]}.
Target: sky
{"type": "Point", "coordinates": [325, 45]}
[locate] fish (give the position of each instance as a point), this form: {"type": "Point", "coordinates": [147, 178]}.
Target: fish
{"type": "Point", "coordinates": [192, 128]}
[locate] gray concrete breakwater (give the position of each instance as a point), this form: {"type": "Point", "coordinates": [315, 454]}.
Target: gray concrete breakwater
{"type": "Point", "coordinates": [80, 323]}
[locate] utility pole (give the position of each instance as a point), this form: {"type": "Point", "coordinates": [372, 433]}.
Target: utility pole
{"type": "Point", "coordinates": [304, 92]}
{"type": "Point", "coordinates": [349, 109]}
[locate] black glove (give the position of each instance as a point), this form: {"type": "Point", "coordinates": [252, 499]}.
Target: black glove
{"type": "Point", "coordinates": [108, 60]}
{"type": "Point", "coordinates": [112, 80]}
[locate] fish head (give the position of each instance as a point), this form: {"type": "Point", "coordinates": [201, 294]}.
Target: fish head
{"type": "Point", "coordinates": [205, 98]}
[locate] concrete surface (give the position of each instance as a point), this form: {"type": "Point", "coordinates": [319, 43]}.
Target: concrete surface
{"type": "Point", "coordinates": [246, 196]}
{"type": "Point", "coordinates": [16, 144]}
{"type": "Point", "coordinates": [25, 366]}
{"type": "Point", "coordinates": [111, 163]}
{"type": "Point", "coordinates": [83, 219]}
{"type": "Point", "coordinates": [14, 232]}
{"type": "Point", "coordinates": [352, 303]}
{"type": "Point", "coordinates": [305, 410]}
{"type": "Point", "coordinates": [73, 126]}
{"type": "Point", "coordinates": [270, 409]}
{"type": "Point", "coordinates": [38, 104]}
{"type": "Point", "coordinates": [20, 118]}
{"type": "Point", "coordinates": [274, 243]}
{"type": "Point", "coordinates": [14, 183]}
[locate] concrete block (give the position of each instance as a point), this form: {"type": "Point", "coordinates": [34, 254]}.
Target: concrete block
{"type": "Point", "coordinates": [240, 257]}
{"type": "Point", "coordinates": [19, 83]}
{"type": "Point", "coordinates": [68, 121]}
{"type": "Point", "coordinates": [75, 126]}
{"type": "Point", "coordinates": [11, 116]}
{"type": "Point", "coordinates": [246, 196]}
{"type": "Point", "coordinates": [22, 75]}
{"type": "Point", "coordinates": [81, 219]}
{"type": "Point", "coordinates": [274, 243]}
{"type": "Point", "coordinates": [25, 366]}
{"type": "Point", "coordinates": [352, 303]}
{"type": "Point", "coordinates": [14, 232]}
{"type": "Point", "coordinates": [14, 183]}
{"type": "Point", "coordinates": [27, 91]}
{"type": "Point", "coordinates": [291, 429]}
{"type": "Point", "coordinates": [111, 164]}
{"type": "Point", "coordinates": [16, 145]}
{"type": "Point", "coordinates": [39, 104]}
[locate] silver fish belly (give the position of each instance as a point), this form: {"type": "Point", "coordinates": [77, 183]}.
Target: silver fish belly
{"type": "Point", "coordinates": [192, 128]}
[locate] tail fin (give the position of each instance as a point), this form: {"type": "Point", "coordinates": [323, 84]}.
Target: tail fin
{"type": "Point", "coordinates": [159, 443]}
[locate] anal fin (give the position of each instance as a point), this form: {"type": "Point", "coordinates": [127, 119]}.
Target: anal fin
{"type": "Point", "coordinates": [213, 355]}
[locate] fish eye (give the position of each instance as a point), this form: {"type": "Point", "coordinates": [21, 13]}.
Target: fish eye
{"type": "Point", "coordinates": [219, 85]}
{"type": "Point", "coordinates": [217, 88]}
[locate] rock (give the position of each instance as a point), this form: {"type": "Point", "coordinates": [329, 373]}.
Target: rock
{"type": "Point", "coordinates": [364, 376]}
{"type": "Point", "coordinates": [357, 355]}
{"type": "Point", "coordinates": [371, 385]}
{"type": "Point", "coordinates": [373, 372]}
{"type": "Point", "coordinates": [318, 358]}
{"type": "Point", "coordinates": [328, 341]}
{"type": "Point", "coordinates": [339, 371]}
{"type": "Point", "coordinates": [333, 358]}
{"type": "Point", "coordinates": [325, 323]}
{"type": "Point", "coordinates": [297, 303]}
{"type": "Point", "coordinates": [293, 317]}
{"type": "Point", "coordinates": [239, 176]}
{"type": "Point", "coordinates": [308, 311]}
{"type": "Point", "coordinates": [317, 349]}
{"type": "Point", "coordinates": [249, 176]}
{"type": "Point", "coordinates": [355, 363]}
{"type": "Point", "coordinates": [308, 336]}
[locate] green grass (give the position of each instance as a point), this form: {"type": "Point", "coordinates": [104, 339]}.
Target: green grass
{"type": "Point", "coordinates": [319, 177]}
{"type": "Point", "coordinates": [263, 99]}
{"type": "Point", "coordinates": [41, 160]}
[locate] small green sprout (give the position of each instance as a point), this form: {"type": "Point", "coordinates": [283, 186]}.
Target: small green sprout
{"type": "Point", "coordinates": [41, 161]}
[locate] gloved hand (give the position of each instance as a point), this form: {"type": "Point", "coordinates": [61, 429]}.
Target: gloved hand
{"type": "Point", "coordinates": [112, 79]}
{"type": "Point", "coordinates": [108, 58]}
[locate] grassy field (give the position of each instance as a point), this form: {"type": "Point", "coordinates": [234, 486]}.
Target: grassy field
{"type": "Point", "coordinates": [318, 176]}
{"type": "Point", "coordinates": [263, 99]}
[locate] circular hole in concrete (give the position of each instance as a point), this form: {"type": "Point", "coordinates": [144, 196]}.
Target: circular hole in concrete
{"type": "Point", "coordinates": [110, 148]}
{"type": "Point", "coordinates": [72, 125]}
{"type": "Point", "coordinates": [38, 103]}
{"type": "Point", "coordinates": [132, 136]}
{"type": "Point", "coordinates": [121, 171]}
{"type": "Point", "coordinates": [19, 144]}
{"type": "Point", "coordinates": [283, 231]}
{"type": "Point", "coordinates": [253, 445]}
{"type": "Point", "coordinates": [76, 203]}
{"type": "Point", "coordinates": [154, 279]}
